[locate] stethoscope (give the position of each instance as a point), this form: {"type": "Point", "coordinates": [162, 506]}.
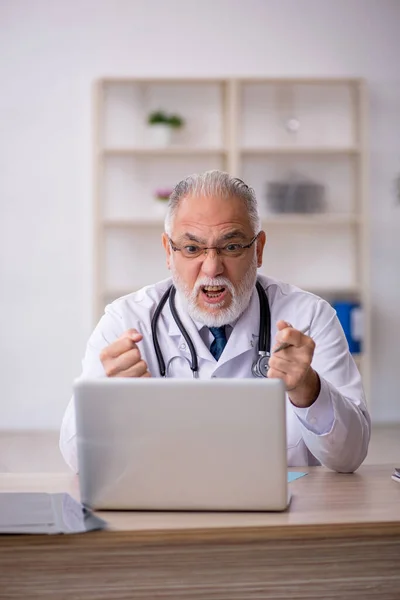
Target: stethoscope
{"type": "Point", "coordinates": [260, 365]}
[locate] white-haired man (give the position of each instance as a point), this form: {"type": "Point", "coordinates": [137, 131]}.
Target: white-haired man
{"type": "Point", "coordinates": [214, 245]}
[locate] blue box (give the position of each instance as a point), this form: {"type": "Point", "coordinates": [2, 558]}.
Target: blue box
{"type": "Point", "coordinates": [350, 317]}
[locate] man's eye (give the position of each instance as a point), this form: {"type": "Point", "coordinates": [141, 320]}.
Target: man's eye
{"type": "Point", "coordinates": [233, 247]}
{"type": "Point", "coordinates": [191, 249]}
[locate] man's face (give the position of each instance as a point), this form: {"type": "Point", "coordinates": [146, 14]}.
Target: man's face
{"type": "Point", "coordinates": [216, 288]}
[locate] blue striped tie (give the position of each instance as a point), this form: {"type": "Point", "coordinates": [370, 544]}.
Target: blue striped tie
{"type": "Point", "coordinates": [219, 343]}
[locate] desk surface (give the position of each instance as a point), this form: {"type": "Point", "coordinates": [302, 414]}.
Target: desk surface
{"type": "Point", "coordinates": [324, 503]}
{"type": "Point", "coordinates": [340, 539]}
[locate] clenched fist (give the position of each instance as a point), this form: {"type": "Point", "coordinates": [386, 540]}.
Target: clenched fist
{"type": "Point", "coordinates": [122, 358]}
{"type": "Point", "coordinates": [293, 365]}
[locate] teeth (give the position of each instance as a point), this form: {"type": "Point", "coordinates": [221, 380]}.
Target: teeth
{"type": "Point", "coordinates": [212, 288]}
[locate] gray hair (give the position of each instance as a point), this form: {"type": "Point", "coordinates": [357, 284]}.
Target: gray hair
{"type": "Point", "coordinates": [212, 183]}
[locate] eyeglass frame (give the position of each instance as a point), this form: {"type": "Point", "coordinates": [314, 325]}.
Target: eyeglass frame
{"type": "Point", "coordinates": [218, 249]}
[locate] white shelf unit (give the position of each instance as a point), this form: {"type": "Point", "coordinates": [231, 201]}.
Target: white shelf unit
{"type": "Point", "coordinates": [239, 125]}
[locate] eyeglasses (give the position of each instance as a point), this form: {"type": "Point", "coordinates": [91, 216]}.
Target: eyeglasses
{"type": "Point", "coordinates": [230, 250]}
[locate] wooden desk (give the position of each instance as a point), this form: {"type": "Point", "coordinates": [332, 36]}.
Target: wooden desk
{"type": "Point", "coordinates": [339, 539]}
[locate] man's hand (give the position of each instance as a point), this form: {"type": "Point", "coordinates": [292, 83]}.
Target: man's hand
{"type": "Point", "coordinates": [293, 365]}
{"type": "Point", "coordinates": [122, 358]}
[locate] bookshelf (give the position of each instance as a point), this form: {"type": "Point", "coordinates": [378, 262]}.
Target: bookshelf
{"type": "Point", "coordinates": [262, 130]}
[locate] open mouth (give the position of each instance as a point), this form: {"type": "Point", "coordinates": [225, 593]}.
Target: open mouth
{"type": "Point", "coordinates": [213, 293]}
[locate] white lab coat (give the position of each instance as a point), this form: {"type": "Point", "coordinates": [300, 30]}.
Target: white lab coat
{"type": "Point", "coordinates": [334, 431]}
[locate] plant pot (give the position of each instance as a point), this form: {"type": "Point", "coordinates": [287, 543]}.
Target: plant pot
{"type": "Point", "coordinates": [159, 135]}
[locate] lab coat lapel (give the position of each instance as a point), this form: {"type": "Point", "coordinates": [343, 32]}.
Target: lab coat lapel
{"type": "Point", "coordinates": [244, 336]}
{"type": "Point", "coordinates": [191, 328]}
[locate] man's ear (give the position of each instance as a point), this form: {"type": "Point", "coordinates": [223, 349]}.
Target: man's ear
{"type": "Point", "coordinates": [167, 248]}
{"type": "Point", "coordinates": [260, 247]}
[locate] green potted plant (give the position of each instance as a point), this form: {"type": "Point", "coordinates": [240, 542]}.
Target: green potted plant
{"type": "Point", "coordinates": [161, 126]}
{"type": "Point", "coordinates": [175, 121]}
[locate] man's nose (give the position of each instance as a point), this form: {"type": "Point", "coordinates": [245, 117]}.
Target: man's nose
{"type": "Point", "coordinates": [212, 265]}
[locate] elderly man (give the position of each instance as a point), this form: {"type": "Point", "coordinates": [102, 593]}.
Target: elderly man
{"type": "Point", "coordinates": [214, 245]}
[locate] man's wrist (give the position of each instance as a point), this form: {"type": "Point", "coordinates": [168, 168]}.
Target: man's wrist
{"type": "Point", "coordinates": [304, 395]}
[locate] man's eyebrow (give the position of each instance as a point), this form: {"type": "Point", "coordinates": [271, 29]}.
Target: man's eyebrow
{"type": "Point", "coordinates": [231, 235]}
{"type": "Point", "coordinates": [235, 234]}
{"type": "Point", "coordinates": [192, 238]}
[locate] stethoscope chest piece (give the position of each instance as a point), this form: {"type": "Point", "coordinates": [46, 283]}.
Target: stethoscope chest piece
{"type": "Point", "coordinates": [261, 365]}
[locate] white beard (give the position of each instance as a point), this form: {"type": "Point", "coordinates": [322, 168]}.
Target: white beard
{"type": "Point", "coordinates": [240, 297]}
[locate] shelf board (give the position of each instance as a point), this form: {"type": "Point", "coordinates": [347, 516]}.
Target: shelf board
{"type": "Point", "coordinates": [297, 150]}
{"type": "Point", "coordinates": [342, 291]}
{"type": "Point", "coordinates": [164, 80]}
{"type": "Point", "coordinates": [118, 293]}
{"type": "Point", "coordinates": [320, 220]}
{"type": "Point", "coordinates": [169, 151]}
{"type": "Point", "coordinates": [301, 80]}
{"type": "Point", "coordinates": [111, 294]}
{"type": "Point", "coordinates": [201, 151]}
{"type": "Point", "coordinates": [244, 80]}
{"type": "Point", "coordinates": [332, 291]}
{"type": "Point", "coordinates": [132, 223]}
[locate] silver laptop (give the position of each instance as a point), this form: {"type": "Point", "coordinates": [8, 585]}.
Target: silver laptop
{"type": "Point", "coordinates": [179, 444]}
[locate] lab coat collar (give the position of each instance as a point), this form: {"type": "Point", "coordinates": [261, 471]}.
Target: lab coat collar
{"type": "Point", "coordinates": [192, 328]}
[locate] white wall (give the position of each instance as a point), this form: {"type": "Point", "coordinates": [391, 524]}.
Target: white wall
{"type": "Point", "coordinates": [50, 53]}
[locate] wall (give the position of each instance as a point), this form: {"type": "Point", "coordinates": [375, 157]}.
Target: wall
{"type": "Point", "coordinates": [50, 53]}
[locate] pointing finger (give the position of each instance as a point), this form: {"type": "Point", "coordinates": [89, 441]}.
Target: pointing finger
{"type": "Point", "coordinates": [289, 336]}
{"type": "Point", "coordinates": [282, 325]}
{"type": "Point", "coordinates": [133, 334]}
{"type": "Point", "coordinates": [126, 342]}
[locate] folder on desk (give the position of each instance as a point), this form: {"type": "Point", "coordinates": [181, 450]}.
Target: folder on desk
{"type": "Point", "coordinates": [396, 474]}
{"type": "Point", "coordinates": [45, 513]}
